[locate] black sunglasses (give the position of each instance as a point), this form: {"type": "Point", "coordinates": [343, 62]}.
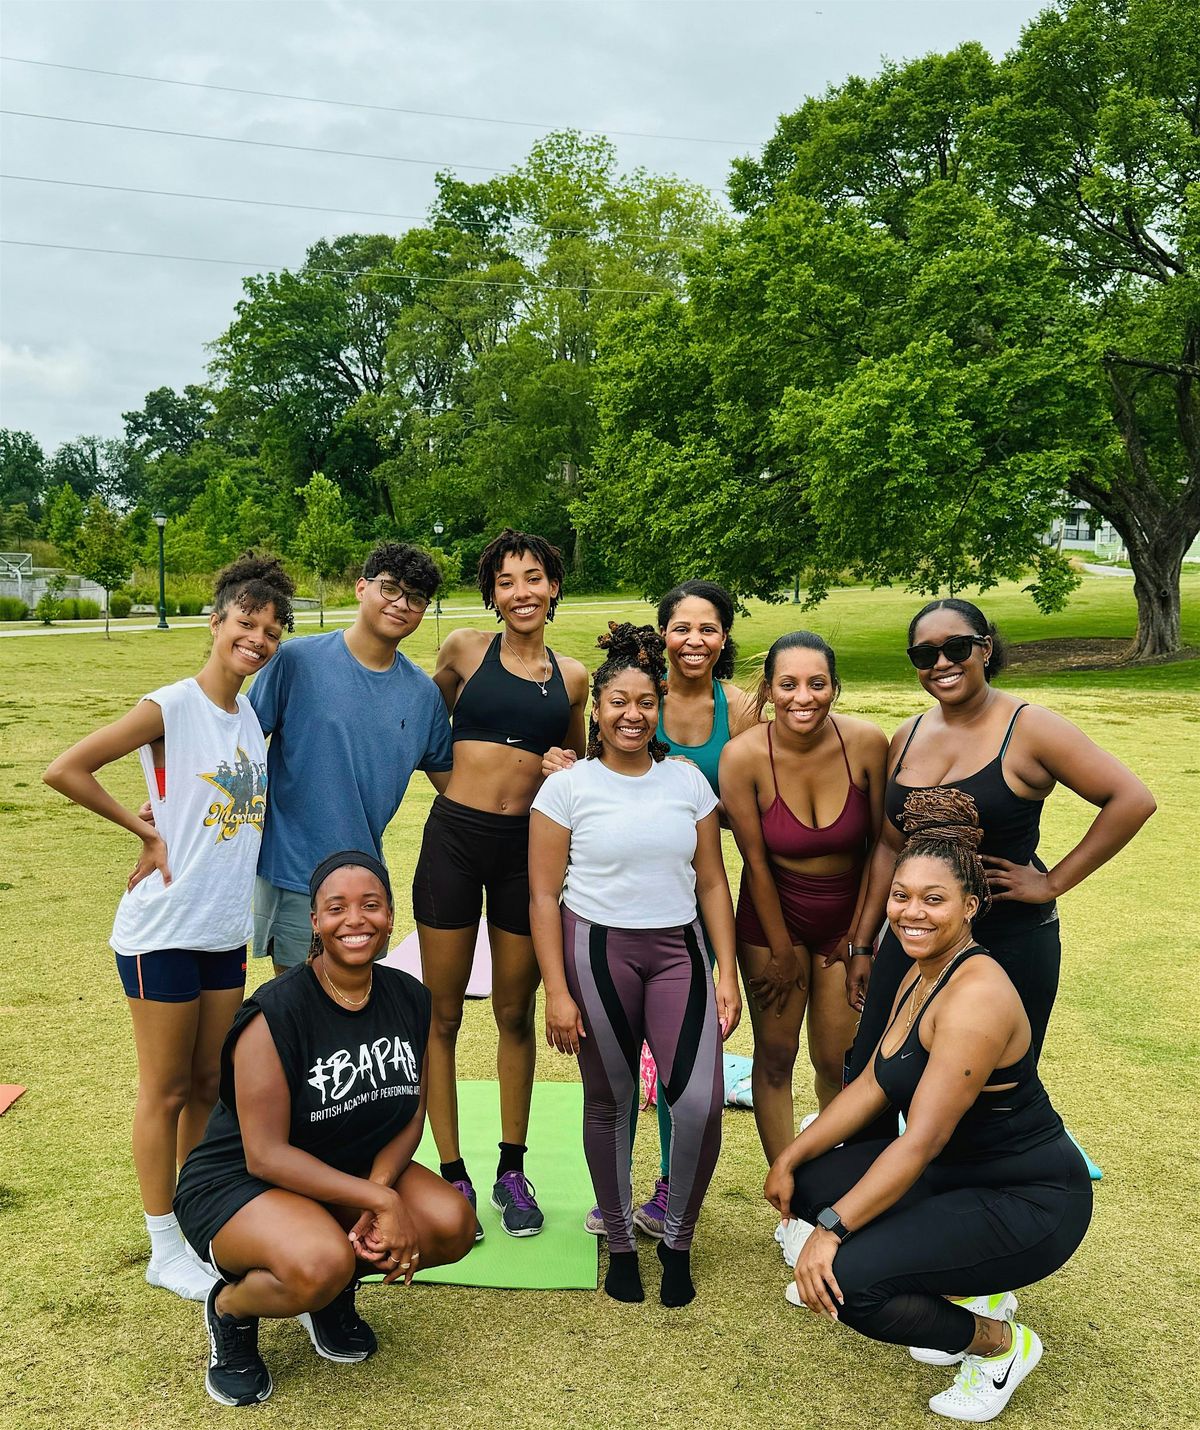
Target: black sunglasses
{"type": "Point", "coordinates": [956, 649]}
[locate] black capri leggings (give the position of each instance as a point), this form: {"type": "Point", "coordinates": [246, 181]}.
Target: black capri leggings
{"type": "Point", "coordinates": [1031, 958]}
{"type": "Point", "coordinates": [964, 1229]}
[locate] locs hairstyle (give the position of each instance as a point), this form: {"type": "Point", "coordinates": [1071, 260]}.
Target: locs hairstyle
{"type": "Point", "coordinates": [943, 823]}
{"type": "Point", "coordinates": [628, 647]}
{"type": "Point", "coordinates": [252, 583]}
{"type": "Point", "coordinates": [795, 640]}
{"type": "Point", "coordinates": [978, 622]}
{"type": "Point", "coordinates": [721, 602]}
{"type": "Point", "coordinates": [518, 543]}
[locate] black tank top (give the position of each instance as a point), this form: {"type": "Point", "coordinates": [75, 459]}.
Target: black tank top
{"type": "Point", "coordinates": [997, 1124]}
{"type": "Point", "coordinates": [354, 1075]}
{"type": "Point", "coordinates": [1011, 828]}
{"type": "Point", "coordinates": [499, 707]}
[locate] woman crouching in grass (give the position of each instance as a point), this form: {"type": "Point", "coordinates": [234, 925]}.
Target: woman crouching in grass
{"type": "Point", "coordinates": [182, 924]}
{"type": "Point", "coordinates": [305, 1178]}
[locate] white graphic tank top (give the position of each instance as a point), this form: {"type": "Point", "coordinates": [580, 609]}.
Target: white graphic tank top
{"type": "Point", "coordinates": [211, 820]}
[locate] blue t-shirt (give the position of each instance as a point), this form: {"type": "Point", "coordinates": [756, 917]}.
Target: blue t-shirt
{"type": "Point", "coordinates": [344, 743]}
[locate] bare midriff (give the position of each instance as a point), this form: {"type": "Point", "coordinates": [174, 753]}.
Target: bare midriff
{"type": "Point", "coordinates": [490, 777]}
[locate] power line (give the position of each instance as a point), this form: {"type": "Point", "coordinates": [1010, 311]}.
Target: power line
{"type": "Point", "coordinates": [338, 272]}
{"type": "Point", "coordinates": [323, 209]}
{"type": "Point", "coordinates": [376, 108]}
{"type": "Point", "coordinates": [253, 143]}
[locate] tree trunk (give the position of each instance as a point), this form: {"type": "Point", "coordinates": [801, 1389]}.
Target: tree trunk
{"type": "Point", "coordinates": [321, 600]}
{"type": "Point", "coordinates": [107, 602]}
{"type": "Point", "coordinates": [1156, 585]}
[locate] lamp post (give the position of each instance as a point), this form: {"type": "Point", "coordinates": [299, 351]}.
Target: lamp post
{"type": "Point", "coordinates": [438, 527]}
{"type": "Point", "coordinates": [160, 521]}
{"type": "Point", "coordinates": [796, 592]}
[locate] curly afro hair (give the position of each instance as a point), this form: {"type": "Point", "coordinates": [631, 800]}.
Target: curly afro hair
{"type": "Point", "coordinates": [252, 583]}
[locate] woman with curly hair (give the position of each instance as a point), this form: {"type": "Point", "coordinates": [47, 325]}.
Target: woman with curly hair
{"type": "Point", "coordinates": [630, 843]}
{"type": "Point", "coordinates": [510, 699]}
{"type": "Point", "coordinates": [985, 1191]}
{"type": "Point", "coordinates": [183, 922]}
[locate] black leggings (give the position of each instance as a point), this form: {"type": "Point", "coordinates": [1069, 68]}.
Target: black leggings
{"type": "Point", "coordinates": [1031, 958]}
{"type": "Point", "coordinates": [965, 1229]}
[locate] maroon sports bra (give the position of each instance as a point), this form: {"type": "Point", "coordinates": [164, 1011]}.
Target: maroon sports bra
{"type": "Point", "coordinates": [790, 838]}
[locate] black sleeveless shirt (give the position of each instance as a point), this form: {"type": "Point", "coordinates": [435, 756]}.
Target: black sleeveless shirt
{"type": "Point", "coordinates": [500, 708]}
{"type": "Point", "coordinates": [354, 1075]}
{"type": "Point", "coordinates": [1011, 828]}
{"type": "Point", "coordinates": [997, 1124]}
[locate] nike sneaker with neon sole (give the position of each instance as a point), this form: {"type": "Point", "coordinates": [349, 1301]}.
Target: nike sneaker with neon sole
{"type": "Point", "coordinates": [984, 1384]}
{"type": "Point", "coordinates": [1001, 1307]}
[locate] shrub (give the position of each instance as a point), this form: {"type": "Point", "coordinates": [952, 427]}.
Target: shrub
{"type": "Point", "coordinates": [80, 608]}
{"type": "Point", "coordinates": [12, 608]}
{"type": "Point", "coordinates": [120, 603]}
{"type": "Point", "coordinates": [190, 606]}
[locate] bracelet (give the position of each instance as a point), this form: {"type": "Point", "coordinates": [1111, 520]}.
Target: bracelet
{"type": "Point", "coordinates": [862, 950]}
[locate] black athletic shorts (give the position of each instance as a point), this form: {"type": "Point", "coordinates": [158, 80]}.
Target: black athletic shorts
{"type": "Point", "coordinates": [463, 852]}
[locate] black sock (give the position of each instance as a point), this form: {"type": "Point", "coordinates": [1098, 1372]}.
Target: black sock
{"type": "Point", "coordinates": [624, 1280]}
{"type": "Point", "coordinates": [454, 1171]}
{"type": "Point", "coordinates": [677, 1287]}
{"type": "Point", "coordinates": [512, 1158]}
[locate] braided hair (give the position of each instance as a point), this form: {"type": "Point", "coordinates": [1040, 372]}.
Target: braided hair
{"type": "Point", "coordinates": [943, 823]}
{"type": "Point", "coordinates": [518, 543]}
{"type": "Point", "coordinates": [628, 647]}
{"type": "Point", "coordinates": [252, 583]}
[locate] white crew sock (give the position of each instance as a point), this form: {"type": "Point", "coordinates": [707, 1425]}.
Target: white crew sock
{"type": "Point", "coordinates": [170, 1265]}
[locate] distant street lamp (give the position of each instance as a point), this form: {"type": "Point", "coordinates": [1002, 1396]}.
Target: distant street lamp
{"type": "Point", "coordinates": [796, 592]}
{"type": "Point", "coordinates": [160, 521]}
{"type": "Point", "coordinates": [438, 527]}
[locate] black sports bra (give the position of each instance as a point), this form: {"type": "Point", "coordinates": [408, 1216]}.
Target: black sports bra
{"type": "Point", "coordinates": [1011, 825]}
{"type": "Point", "coordinates": [500, 708]}
{"type": "Point", "coordinates": [1014, 1118]}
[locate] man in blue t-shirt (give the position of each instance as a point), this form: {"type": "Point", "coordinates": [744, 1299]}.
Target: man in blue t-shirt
{"type": "Point", "coordinates": [349, 719]}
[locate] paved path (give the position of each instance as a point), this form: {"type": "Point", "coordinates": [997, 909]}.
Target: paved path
{"type": "Point", "coordinates": [1107, 570]}
{"type": "Point", "coordinates": [332, 618]}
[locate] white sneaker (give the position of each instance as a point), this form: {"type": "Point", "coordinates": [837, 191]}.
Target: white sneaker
{"type": "Point", "coordinates": [1001, 1307]}
{"type": "Point", "coordinates": [807, 1121]}
{"type": "Point", "coordinates": [791, 1294]}
{"type": "Point", "coordinates": [984, 1384]}
{"type": "Point", "coordinates": [183, 1275]}
{"type": "Point", "coordinates": [791, 1236]}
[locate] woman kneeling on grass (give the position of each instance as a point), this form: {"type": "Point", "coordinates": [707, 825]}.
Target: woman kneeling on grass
{"type": "Point", "coordinates": [985, 1190]}
{"type": "Point", "coordinates": [631, 843]}
{"type": "Point", "coordinates": [181, 926]}
{"type": "Point", "coordinates": [305, 1178]}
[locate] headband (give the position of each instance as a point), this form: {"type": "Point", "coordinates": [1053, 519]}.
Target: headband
{"type": "Point", "coordinates": [344, 859]}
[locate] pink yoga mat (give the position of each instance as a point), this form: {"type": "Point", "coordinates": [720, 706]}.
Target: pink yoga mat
{"type": "Point", "coordinates": [407, 955]}
{"type": "Point", "coordinates": [9, 1092]}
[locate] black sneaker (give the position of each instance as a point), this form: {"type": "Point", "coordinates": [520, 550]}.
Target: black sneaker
{"type": "Point", "coordinates": [338, 1332]}
{"type": "Point", "coordinates": [237, 1374]}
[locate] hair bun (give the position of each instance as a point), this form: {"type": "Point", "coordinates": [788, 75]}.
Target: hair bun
{"type": "Point", "coordinates": [942, 813]}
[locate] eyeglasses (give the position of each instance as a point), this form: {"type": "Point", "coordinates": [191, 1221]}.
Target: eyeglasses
{"type": "Point", "coordinates": [393, 593]}
{"type": "Point", "coordinates": [956, 649]}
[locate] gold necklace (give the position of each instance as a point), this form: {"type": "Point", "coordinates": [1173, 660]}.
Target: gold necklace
{"type": "Point", "coordinates": [914, 1006]}
{"type": "Point", "coordinates": [350, 1002]}
{"type": "Point", "coordinates": [541, 684]}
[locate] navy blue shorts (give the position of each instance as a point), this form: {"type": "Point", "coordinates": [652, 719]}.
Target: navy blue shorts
{"type": "Point", "coordinates": [178, 975]}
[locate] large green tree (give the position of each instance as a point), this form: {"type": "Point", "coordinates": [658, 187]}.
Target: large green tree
{"type": "Point", "coordinates": [103, 551]}
{"type": "Point", "coordinates": [1086, 139]}
{"type": "Point", "coordinates": [22, 469]}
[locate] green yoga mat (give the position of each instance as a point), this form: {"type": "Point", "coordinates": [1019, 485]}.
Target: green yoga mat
{"type": "Point", "coordinates": [562, 1256]}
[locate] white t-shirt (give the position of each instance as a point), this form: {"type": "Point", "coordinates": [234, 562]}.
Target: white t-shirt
{"type": "Point", "coordinates": [211, 822]}
{"type": "Point", "coordinates": [633, 839]}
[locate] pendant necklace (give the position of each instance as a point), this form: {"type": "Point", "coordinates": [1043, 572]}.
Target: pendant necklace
{"type": "Point", "coordinates": [350, 1002]}
{"type": "Point", "coordinates": [541, 684]}
{"type": "Point", "coordinates": [914, 1006]}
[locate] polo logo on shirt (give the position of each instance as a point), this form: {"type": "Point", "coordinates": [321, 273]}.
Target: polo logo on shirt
{"type": "Point", "coordinates": [385, 1068]}
{"type": "Point", "coordinates": [243, 791]}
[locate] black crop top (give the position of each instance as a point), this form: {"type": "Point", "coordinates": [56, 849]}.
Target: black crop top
{"type": "Point", "coordinates": [997, 1124]}
{"type": "Point", "coordinates": [500, 708]}
{"type": "Point", "coordinates": [1011, 827]}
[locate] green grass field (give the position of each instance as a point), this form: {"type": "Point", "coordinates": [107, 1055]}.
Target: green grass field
{"type": "Point", "coordinates": [87, 1343]}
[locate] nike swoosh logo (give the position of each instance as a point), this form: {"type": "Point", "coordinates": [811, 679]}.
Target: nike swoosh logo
{"type": "Point", "coordinates": [508, 740]}
{"type": "Point", "coordinates": [1001, 1381]}
{"type": "Point", "coordinates": [908, 1054]}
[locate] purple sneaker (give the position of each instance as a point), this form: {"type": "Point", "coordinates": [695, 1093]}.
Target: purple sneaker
{"type": "Point", "coordinates": [651, 1216]}
{"type": "Point", "coordinates": [468, 1191]}
{"type": "Point", "coordinates": [513, 1198]}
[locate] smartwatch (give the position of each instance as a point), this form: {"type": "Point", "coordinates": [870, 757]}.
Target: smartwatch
{"type": "Point", "coordinates": [830, 1220]}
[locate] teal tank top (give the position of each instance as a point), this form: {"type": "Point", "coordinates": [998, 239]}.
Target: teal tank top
{"type": "Point", "coordinates": [705, 757]}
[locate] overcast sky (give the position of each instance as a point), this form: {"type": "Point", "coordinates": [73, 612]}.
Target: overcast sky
{"type": "Point", "coordinates": [84, 336]}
